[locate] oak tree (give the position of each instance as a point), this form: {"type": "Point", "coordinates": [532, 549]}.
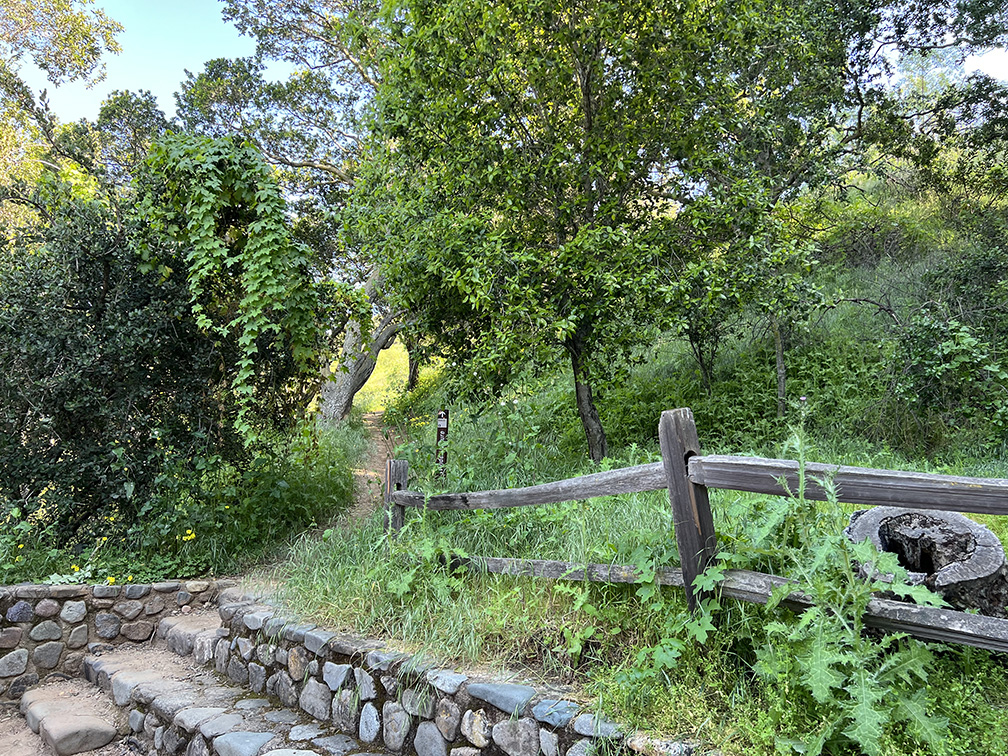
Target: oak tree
{"type": "Point", "coordinates": [531, 165]}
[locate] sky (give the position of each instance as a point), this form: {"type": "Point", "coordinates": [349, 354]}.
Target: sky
{"type": "Point", "coordinates": [993, 63]}
{"type": "Point", "coordinates": [162, 39]}
{"type": "Point", "coordinates": [159, 42]}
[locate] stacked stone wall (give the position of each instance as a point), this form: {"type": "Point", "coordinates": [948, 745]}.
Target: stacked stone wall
{"type": "Point", "coordinates": [46, 630]}
{"type": "Point", "coordinates": [393, 702]}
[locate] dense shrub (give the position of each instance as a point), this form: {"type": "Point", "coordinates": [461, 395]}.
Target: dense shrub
{"type": "Point", "coordinates": [884, 222]}
{"type": "Point", "coordinates": [105, 379]}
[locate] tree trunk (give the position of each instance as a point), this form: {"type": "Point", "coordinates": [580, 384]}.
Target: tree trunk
{"type": "Point", "coordinates": [357, 362]}
{"type": "Point", "coordinates": [413, 358]}
{"type": "Point", "coordinates": [598, 447]}
{"type": "Point", "coordinates": [781, 367]}
{"type": "Point", "coordinates": [704, 362]}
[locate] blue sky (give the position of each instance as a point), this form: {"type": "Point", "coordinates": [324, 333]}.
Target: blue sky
{"type": "Point", "coordinates": [159, 42]}
{"type": "Point", "coordinates": [162, 39]}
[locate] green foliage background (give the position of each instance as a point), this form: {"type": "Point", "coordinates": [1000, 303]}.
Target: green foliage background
{"type": "Point", "coordinates": [737, 206]}
{"type": "Point", "coordinates": [159, 354]}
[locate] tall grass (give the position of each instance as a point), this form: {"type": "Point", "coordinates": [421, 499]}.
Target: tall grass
{"type": "Point", "coordinates": [352, 581]}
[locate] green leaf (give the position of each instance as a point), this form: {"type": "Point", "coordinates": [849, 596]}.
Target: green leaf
{"type": "Point", "coordinates": [700, 626]}
{"type": "Point", "coordinates": [401, 584]}
{"type": "Point", "coordinates": [912, 709]}
{"type": "Point", "coordinates": [666, 654]}
{"type": "Point", "coordinates": [819, 667]}
{"type": "Point", "coordinates": [867, 718]}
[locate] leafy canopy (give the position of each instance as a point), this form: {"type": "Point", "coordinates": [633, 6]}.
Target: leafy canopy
{"type": "Point", "coordinates": [532, 171]}
{"type": "Point", "coordinates": [65, 38]}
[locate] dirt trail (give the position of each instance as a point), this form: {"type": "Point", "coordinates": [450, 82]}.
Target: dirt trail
{"type": "Point", "coordinates": [368, 479]}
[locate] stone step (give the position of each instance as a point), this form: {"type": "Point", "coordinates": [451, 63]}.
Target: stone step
{"type": "Point", "coordinates": [180, 706]}
{"type": "Point", "coordinates": [70, 718]}
{"type": "Point", "coordinates": [191, 634]}
{"type": "Point", "coordinates": [163, 697]}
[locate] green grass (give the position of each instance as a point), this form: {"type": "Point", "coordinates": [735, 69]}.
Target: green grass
{"type": "Point", "coordinates": [350, 581]}
{"type": "Point", "coordinates": [592, 635]}
{"type": "Point", "coordinates": [387, 381]}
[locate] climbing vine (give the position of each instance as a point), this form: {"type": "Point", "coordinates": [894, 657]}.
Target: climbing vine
{"type": "Point", "coordinates": [217, 202]}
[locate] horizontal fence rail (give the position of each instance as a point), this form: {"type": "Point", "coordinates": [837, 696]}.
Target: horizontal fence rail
{"type": "Point", "coordinates": [856, 485]}
{"type": "Point", "coordinates": [609, 483]}
{"type": "Point", "coordinates": [924, 622]}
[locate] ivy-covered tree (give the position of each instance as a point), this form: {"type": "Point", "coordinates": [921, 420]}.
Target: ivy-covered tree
{"type": "Point", "coordinates": [216, 203]}
{"type": "Point", "coordinates": [310, 128]}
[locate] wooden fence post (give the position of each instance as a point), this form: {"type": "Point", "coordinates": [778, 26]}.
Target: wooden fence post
{"type": "Point", "coordinates": [396, 477]}
{"type": "Point", "coordinates": [694, 526]}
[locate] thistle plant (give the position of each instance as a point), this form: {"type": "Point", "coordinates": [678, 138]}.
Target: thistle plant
{"type": "Point", "coordinates": [860, 687]}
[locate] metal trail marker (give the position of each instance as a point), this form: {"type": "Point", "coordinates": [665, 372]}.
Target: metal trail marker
{"type": "Point", "coordinates": [441, 453]}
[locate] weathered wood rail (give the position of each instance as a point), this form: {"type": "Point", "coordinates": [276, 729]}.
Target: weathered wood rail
{"type": "Point", "coordinates": [854, 485]}
{"type": "Point", "coordinates": [610, 483]}
{"type": "Point", "coordinates": [687, 475]}
{"type": "Point", "coordinates": [924, 622]}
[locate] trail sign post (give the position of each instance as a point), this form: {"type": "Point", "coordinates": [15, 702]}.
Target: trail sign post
{"type": "Point", "coordinates": [441, 453]}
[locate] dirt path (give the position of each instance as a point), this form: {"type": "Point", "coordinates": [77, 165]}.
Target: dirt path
{"type": "Point", "coordinates": [368, 493]}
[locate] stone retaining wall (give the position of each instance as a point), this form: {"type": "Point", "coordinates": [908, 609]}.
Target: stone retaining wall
{"type": "Point", "coordinates": [45, 630]}
{"type": "Point", "coordinates": [392, 701]}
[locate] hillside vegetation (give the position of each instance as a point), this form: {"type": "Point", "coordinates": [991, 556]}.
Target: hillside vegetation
{"type": "Point", "coordinates": [898, 367]}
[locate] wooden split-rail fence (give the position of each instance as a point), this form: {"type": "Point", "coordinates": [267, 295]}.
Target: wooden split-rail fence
{"type": "Point", "coordinates": [688, 475]}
